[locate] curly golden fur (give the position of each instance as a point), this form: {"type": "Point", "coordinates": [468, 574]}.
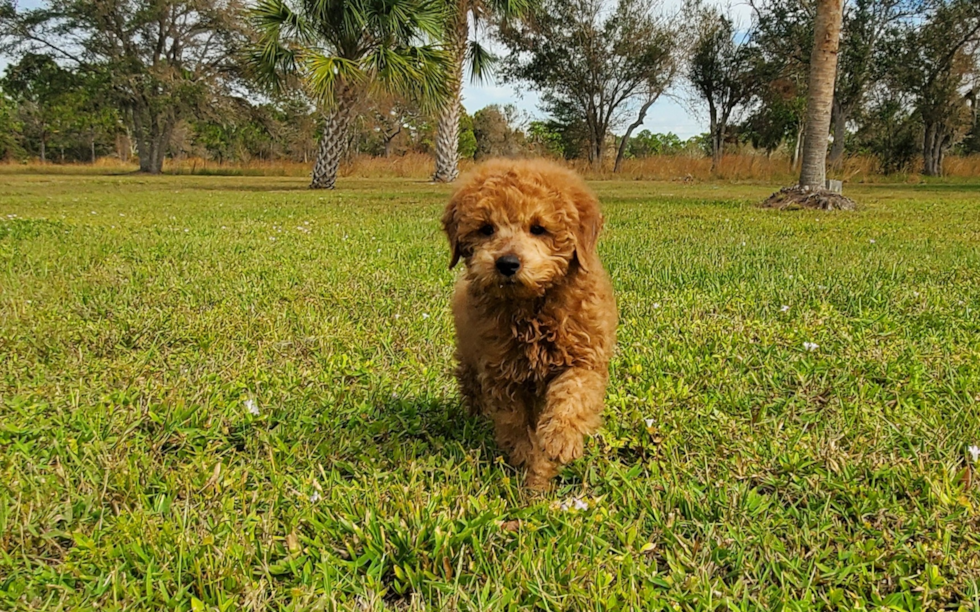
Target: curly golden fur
{"type": "Point", "coordinates": [534, 311]}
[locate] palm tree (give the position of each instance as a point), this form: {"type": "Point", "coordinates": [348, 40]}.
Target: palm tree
{"type": "Point", "coordinates": [820, 95]}
{"type": "Point", "coordinates": [812, 192]}
{"type": "Point", "coordinates": [341, 50]}
{"type": "Point", "coordinates": [459, 16]}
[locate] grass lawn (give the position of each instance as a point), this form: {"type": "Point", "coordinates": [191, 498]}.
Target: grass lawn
{"type": "Point", "coordinates": [234, 393]}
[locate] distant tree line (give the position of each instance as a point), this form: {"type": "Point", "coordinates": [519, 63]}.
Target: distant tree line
{"type": "Point", "coordinates": [317, 81]}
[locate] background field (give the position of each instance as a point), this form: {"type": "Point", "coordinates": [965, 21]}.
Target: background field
{"type": "Point", "coordinates": [139, 317]}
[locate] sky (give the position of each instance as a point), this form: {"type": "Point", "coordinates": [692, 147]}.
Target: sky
{"type": "Point", "coordinates": [668, 114]}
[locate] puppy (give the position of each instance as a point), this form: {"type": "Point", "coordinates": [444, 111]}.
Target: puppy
{"type": "Point", "coordinates": [535, 314]}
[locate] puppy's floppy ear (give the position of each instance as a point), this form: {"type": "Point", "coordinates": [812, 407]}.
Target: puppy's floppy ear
{"type": "Point", "coordinates": [450, 225]}
{"type": "Point", "coordinates": [589, 226]}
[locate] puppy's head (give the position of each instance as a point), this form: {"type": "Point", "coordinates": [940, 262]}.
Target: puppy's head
{"type": "Point", "coordinates": [521, 226]}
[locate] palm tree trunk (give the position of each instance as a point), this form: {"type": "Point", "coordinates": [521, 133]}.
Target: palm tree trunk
{"type": "Point", "coordinates": [820, 97]}
{"type": "Point", "coordinates": [447, 130]}
{"type": "Point", "coordinates": [333, 143]}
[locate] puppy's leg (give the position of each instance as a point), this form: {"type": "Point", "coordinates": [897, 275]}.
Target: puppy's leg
{"type": "Point", "coordinates": [470, 388]}
{"type": "Point", "coordinates": [512, 434]}
{"type": "Point", "coordinates": [572, 407]}
{"type": "Point", "coordinates": [509, 409]}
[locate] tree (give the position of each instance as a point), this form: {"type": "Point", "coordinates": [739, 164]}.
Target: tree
{"type": "Point", "coordinates": [595, 65]}
{"type": "Point", "coordinates": [934, 61]}
{"type": "Point", "coordinates": [41, 91]}
{"type": "Point", "coordinates": [721, 74]}
{"type": "Point", "coordinates": [159, 56]}
{"type": "Point", "coordinates": [812, 188]}
{"type": "Point", "coordinates": [647, 144]}
{"type": "Point", "coordinates": [782, 40]}
{"type": "Point", "coordinates": [340, 50]}
{"type": "Point", "coordinates": [496, 133]}
{"type": "Point", "coordinates": [465, 53]}
{"type": "Point", "coordinates": [9, 127]}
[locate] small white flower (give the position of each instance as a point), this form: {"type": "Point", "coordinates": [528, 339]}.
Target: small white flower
{"type": "Point", "coordinates": [784, 308]}
{"type": "Point", "coordinates": [974, 451]}
{"type": "Point", "coordinates": [252, 407]}
{"type": "Point", "coordinates": [811, 346]}
{"type": "Point", "coordinates": [656, 304]}
{"type": "Point", "coordinates": [93, 212]}
{"type": "Point", "coordinates": [186, 230]}
{"type": "Point", "coordinates": [573, 504]}
{"type": "Point", "coordinates": [915, 294]}
{"type": "Point", "coordinates": [223, 227]}
{"type": "Point", "coordinates": [872, 241]}
{"type": "Point", "coordinates": [425, 315]}
{"type": "Point", "coordinates": [394, 396]}
{"type": "Point", "coordinates": [649, 422]}
{"type": "Point", "coordinates": [743, 244]}
{"type": "Point", "coordinates": [397, 316]}
{"type": "Point", "coordinates": [315, 497]}
{"type": "Point", "coordinates": [29, 302]}
{"type": "Point", "coordinates": [272, 238]}
{"type": "Point", "coordinates": [121, 215]}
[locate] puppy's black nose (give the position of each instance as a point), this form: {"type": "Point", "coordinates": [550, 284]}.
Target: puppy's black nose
{"type": "Point", "coordinates": [508, 265]}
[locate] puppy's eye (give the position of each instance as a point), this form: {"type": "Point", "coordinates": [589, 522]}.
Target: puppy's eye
{"type": "Point", "coordinates": [487, 230]}
{"type": "Point", "coordinates": [537, 230]}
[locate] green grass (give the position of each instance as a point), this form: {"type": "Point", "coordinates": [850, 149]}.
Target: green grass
{"type": "Point", "coordinates": [138, 315]}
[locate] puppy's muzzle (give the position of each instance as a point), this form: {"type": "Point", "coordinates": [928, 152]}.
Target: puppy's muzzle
{"type": "Point", "coordinates": [508, 265]}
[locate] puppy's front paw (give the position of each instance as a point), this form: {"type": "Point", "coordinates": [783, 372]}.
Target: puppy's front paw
{"type": "Point", "coordinates": [537, 482]}
{"type": "Point", "coordinates": [560, 444]}
{"type": "Point", "coordinates": [540, 471]}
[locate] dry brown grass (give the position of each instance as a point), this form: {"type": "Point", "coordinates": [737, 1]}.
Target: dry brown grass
{"type": "Point", "coordinates": [743, 167]}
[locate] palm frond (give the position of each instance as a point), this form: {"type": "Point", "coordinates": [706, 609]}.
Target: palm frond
{"type": "Point", "coordinates": [480, 62]}
{"type": "Point", "coordinates": [325, 74]}
{"type": "Point", "coordinates": [419, 73]}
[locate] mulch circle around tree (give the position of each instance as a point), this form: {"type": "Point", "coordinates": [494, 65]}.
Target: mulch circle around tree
{"type": "Point", "coordinates": [800, 198]}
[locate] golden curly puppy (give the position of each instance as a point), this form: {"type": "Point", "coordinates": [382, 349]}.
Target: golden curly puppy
{"type": "Point", "coordinates": [535, 313]}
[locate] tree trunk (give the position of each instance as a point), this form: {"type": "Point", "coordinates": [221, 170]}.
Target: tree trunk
{"type": "Point", "coordinates": [629, 131]}
{"type": "Point", "coordinates": [933, 149]}
{"type": "Point", "coordinates": [92, 144]}
{"type": "Point", "coordinates": [820, 97]}
{"type": "Point", "coordinates": [717, 133]}
{"type": "Point", "coordinates": [447, 130]}
{"type": "Point", "coordinates": [839, 120]}
{"type": "Point", "coordinates": [717, 148]}
{"type": "Point", "coordinates": [44, 150]}
{"type": "Point", "coordinates": [798, 146]}
{"type": "Point", "coordinates": [333, 143]}
{"type": "Point", "coordinates": [389, 139]}
{"type": "Point", "coordinates": [152, 133]}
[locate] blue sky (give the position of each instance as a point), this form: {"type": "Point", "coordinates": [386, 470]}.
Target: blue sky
{"type": "Point", "coordinates": [667, 115]}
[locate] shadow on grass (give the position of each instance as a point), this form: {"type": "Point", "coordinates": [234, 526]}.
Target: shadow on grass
{"type": "Point", "coordinates": [435, 421]}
